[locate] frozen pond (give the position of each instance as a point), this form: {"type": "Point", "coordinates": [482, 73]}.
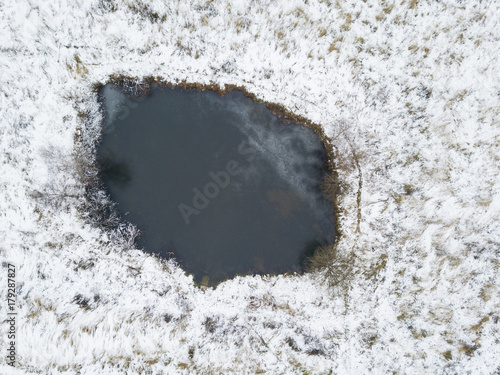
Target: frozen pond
{"type": "Point", "coordinates": [218, 182]}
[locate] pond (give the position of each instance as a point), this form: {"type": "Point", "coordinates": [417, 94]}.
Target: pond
{"type": "Point", "coordinates": [217, 182]}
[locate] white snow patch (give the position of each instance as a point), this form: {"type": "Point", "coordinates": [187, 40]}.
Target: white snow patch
{"type": "Point", "coordinates": [408, 91]}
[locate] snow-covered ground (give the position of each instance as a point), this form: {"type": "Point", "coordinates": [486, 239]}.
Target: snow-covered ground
{"type": "Point", "coordinates": [409, 92]}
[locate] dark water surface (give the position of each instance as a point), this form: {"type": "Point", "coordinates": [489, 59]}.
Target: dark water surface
{"type": "Point", "coordinates": [219, 182]}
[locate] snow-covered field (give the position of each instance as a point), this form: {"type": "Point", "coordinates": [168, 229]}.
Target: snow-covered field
{"type": "Point", "coordinates": [408, 91]}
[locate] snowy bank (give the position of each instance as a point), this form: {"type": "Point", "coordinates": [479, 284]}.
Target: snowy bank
{"type": "Point", "coordinates": [408, 92]}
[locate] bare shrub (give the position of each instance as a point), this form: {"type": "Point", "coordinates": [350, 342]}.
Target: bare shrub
{"type": "Point", "coordinates": [57, 194]}
{"type": "Point", "coordinates": [336, 269]}
{"type": "Point", "coordinates": [97, 209]}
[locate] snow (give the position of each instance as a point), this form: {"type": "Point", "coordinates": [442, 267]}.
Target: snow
{"type": "Point", "coordinates": [408, 91]}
